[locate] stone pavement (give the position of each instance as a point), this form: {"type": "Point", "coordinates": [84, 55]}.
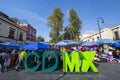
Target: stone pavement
{"type": "Point", "coordinates": [107, 71]}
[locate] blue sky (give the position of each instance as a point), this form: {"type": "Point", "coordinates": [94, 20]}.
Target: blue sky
{"type": "Point", "coordinates": [37, 11]}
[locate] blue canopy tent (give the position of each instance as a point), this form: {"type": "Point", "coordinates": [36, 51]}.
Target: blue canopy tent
{"type": "Point", "coordinates": [65, 43]}
{"type": "Point", "coordinates": [35, 46]}
{"type": "Point", "coordinates": [10, 44]}
{"type": "Point", "coordinates": [45, 43]}
{"type": "Point", "coordinates": [38, 42]}
{"type": "Point", "coordinates": [105, 41]}
{"type": "Point", "coordinates": [80, 42]}
{"type": "Point", "coordinates": [89, 44]}
{"type": "Point", "coordinates": [116, 44]}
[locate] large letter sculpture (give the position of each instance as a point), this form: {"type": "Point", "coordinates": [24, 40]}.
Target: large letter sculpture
{"type": "Point", "coordinates": [72, 62]}
{"type": "Point", "coordinates": [27, 61]}
{"type": "Point", "coordinates": [87, 58]}
{"type": "Point", "coordinates": [79, 61]}
{"type": "Point", "coordinates": [53, 67]}
{"type": "Point", "coordinates": [76, 61]}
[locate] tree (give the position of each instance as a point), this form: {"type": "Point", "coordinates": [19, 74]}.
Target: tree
{"type": "Point", "coordinates": [55, 22]}
{"type": "Point", "coordinates": [75, 25]}
{"type": "Point", "coordinates": [39, 38]}
{"type": "Point", "coordinates": [67, 33]}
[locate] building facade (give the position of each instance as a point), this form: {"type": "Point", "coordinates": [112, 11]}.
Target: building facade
{"type": "Point", "coordinates": [10, 31]}
{"type": "Point", "coordinates": [31, 32]}
{"type": "Point", "coordinates": [106, 33]}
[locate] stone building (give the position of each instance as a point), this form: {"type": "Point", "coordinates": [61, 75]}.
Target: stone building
{"type": "Point", "coordinates": [10, 30]}
{"type": "Point", "coordinates": [106, 33]}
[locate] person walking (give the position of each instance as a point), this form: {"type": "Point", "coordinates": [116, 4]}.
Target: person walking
{"type": "Point", "coordinates": [21, 57]}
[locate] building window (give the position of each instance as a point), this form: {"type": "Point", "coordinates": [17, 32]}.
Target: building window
{"type": "Point", "coordinates": [116, 35]}
{"type": "Point", "coordinates": [98, 38]}
{"type": "Point", "coordinates": [21, 36]}
{"type": "Point", "coordinates": [11, 33]}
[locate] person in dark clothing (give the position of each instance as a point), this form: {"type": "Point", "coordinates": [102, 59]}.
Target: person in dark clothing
{"type": "Point", "coordinates": [1, 63]}
{"type": "Point", "coordinates": [116, 54]}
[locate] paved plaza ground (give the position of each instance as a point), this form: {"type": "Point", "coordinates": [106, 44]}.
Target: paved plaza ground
{"type": "Point", "coordinates": [107, 71]}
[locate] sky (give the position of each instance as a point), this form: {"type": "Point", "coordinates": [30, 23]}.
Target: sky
{"type": "Point", "coordinates": [36, 12]}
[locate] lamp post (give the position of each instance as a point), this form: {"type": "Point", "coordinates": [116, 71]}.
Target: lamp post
{"type": "Point", "coordinates": [102, 20]}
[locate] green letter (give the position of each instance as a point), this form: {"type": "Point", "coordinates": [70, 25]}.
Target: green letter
{"type": "Point", "coordinates": [87, 58]}
{"type": "Point", "coordinates": [71, 62]}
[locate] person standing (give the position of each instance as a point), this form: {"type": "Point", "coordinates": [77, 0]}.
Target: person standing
{"type": "Point", "coordinates": [1, 64]}
{"type": "Point", "coordinates": [21, 57]}
{"type": "Point", "coordinates": [14, 56]}
{"type": "Point", "coordinates": [6, 60]}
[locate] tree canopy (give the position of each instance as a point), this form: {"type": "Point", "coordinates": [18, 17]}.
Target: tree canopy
{"type": "Point", "coordinates": [71, 31]}
{"type": "Point", "coordinates": [55, 22]}
{"type": "Point", "coordinates": [75, 25]}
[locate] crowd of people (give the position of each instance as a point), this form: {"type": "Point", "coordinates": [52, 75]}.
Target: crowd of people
{"type": "Point", "coordinates": [14, 58]}
{"type": "Point", "coordinates": [11, 57]}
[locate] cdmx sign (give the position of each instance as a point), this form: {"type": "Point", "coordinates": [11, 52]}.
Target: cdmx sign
{"type": "Point", "coordinates": [74, 62]}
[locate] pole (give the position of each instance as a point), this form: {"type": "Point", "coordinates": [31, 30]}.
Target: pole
{"type": "Point", "coordinates": [99, 26]}
{"type": "Point", "coordinates": [99, 29]}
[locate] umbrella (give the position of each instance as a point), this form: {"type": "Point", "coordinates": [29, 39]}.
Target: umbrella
{"type": "Point", "coordinates": [45, 43]}
{"type": "Point", "coordinates": [35, 46]}
{"type": "Point", "coordinates": [38, 42]}
{"type": "Point", "coordinates": [105, 41]}
{"type": "Point", "coordinates": [79, 43]}
{"type": "Point", "coordinates": [10, 44]}
{"type": "Point", "coordinates": [89, 44]}
{"type": "Point", "coordinates": [65, 43]}
{"type": "Point", "coordinates": [116, 44]}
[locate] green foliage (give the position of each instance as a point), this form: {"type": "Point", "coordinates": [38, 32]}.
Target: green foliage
{"type": "Point", "coordinates": [67, 33]}
{"type": "Point", "coordinates": [71, 32]}
{"type": "Point", "coordinates": [75, 24]}
{"type": "Point", "coordinates": [55, 22]}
